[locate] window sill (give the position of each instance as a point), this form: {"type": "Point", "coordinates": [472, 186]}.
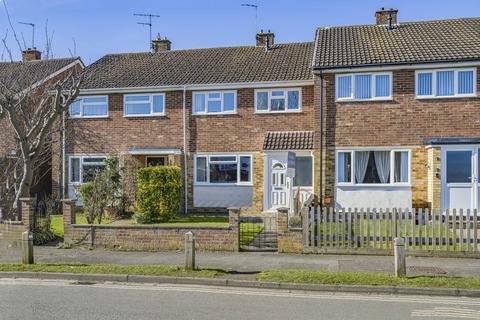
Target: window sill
{"type": "Point", "coordinates": [445, 97]}
{"type": "Point", "coordinates": [196, 184]}
{"type": "Point", "coordinates": [99, 117]}
{"type": "Point", "coordinates": [364, 100]}
{"type": "Point", "coordinates": [277, 112]}
{"type": "Point", "coordinates": [374, 185]}
{"type": "Point", "coordinates": [145, 116]}
{"type": "Point", "coordinates": [215, 114]}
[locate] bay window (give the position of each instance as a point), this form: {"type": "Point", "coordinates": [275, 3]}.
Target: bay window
{"type": "Point", "coordinates": [365, 86]}
{"type": "Point", "coordinates": [445, 83]}
{"type": "Point", "coordinates": [367, 167]}
{"type": "Point", "coordinates": [84, 168]}
{"type": "Point", "coordinates": [214, 102]}
{"type": "Point", "coordinates": [89, 107]}
{"type": "Point", "coordinates": [223, 169]}
{"type": "Point", "coordinates": [141, 105]}
{"type": "Point", "coordinates": [278, 100]}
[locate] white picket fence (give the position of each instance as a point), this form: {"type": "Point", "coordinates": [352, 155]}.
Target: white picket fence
{"type": "Point", "coordinates": [371, 231]}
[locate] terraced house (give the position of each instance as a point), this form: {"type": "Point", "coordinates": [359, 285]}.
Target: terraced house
{"type": "Point", "coordinates": [240, 121]}
{"type": "Point", "coordinates": [399, 104]}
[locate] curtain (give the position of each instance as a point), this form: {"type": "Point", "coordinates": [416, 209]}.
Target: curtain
{"type": "Point", "coordinates": [382, 162]}
{"type": "Point", "coordinates": [361, 162]}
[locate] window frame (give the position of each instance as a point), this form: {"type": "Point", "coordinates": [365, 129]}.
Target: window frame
{"type": "Point", "coordinates": [82, 116]}
{"type": "Point", "coordinates": [237, 161]}
{"type": "Point", "coordinates": [285, 95]}
{"type": "Point", "coordinates": [306, 155]}
{"type": "Point", "coordinates": [81, 158]}
{"type": "Point", "coordinates": [222, 102]}
{"type": "Point", "coordinates": [165, 157]}
{"type": "Point", "coordinates": [372, 89]}
{"type": "Point", "coordinates": [455, 83]}
{"type": "Point", "coordinates": [150, 97]}
{"type": "Point", "coordinates": [391, 183]}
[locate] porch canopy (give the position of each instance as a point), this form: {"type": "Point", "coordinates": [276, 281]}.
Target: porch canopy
{"type": "Point", "coordinates": [451, 141]}
{"type": "Point", "coordinates": [153, 151]}
{"type": "Point", "coordinates": [288, 140]}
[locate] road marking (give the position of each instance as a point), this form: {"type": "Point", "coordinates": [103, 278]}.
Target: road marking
{"type": "Point", "coordinates": [460, 313]}
{"type": "Point", "coordinates": [463, 301]}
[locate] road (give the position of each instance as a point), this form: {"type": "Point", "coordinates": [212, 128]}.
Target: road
{"type": "Point", "coordinates": [39, 300]}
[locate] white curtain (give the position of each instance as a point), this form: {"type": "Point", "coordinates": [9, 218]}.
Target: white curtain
{"type": "Point", "coordinates": [382, 162]}
{"type": "Point", "coordinates": [361, 162]}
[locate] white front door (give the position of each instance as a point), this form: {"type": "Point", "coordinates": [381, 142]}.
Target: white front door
{"type": "Point", "coordinates": [279, 197]}
{"type": "Point", "coordinates": [460, 177]}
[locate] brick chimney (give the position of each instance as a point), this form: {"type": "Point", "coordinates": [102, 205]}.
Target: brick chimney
{"type": "Point", "coordinates": [31, 54]}
{"type": "Point", "coordinates": [386, 17]}
{"type": "Point", "coordinates": [265, 39]}
{"type": "Point", "coordinates": [159, 44]}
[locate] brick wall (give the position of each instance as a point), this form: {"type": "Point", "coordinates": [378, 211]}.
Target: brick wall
{"type": "Point", "coordinates": [402, 122]}
{"type": "Point", "coordinates": [240, 132]}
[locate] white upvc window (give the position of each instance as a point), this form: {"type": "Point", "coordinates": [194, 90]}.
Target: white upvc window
{"type": "Point", "coordinates": [144, 105]}
{"type": "Point", "coordinates": [278, 100]}
{"type": "Point", "coordinates": [82, 169]}
{"type": "Point", "coordinates": [214, 102]}
{"type": "Point", "coordinates": [89, 107]}
{"type": "Point", "coordinates": [364, 86]}
{"type": "Point", "coordinates": [373, 167]}
{"type": "Point", "coordinates": [446, 83]}
{"type": "Point", "coordinates": [223, 169]}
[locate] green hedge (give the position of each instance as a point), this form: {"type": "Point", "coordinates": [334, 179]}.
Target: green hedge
{"type": "Point", "coordinates": [159, 194]}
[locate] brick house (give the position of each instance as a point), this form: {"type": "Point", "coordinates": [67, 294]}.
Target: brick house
{"type": "Point", "coordinates": [236, 119]}
{"type": "Point", "coordinates": [399, 103]}
{"type": "Point", "coordinates": [31, 72]}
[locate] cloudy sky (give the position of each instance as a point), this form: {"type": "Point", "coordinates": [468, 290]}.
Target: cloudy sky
{"type": "Point", "coordinates": [108, 26]}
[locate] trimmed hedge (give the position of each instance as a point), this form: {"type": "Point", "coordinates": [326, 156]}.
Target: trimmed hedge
{"type": "Point", "coordinates": [159, 194]}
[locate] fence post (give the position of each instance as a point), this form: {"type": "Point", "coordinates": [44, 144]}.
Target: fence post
{"type": "Point", "coordinates": [189, 251]}
{"type": "Point", "coordinates": [27, 247]}
{"type": "Point", "coordinates": [399, 254]}
{"type": "Point", "coordinates": [28, 212]}
{"type": "Point", "coordinates": [234, 221]}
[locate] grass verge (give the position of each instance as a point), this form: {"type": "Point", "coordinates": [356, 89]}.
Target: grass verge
{"type": "Point", "coordinates": [368, 279]}
{"type": "Point", "coordinates": [150, 270]}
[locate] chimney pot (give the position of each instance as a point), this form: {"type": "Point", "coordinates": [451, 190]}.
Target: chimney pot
{"type": "Point", "coordinates": [382, 17]}
{"type": "Point", "coordinates": [31, 54]}
{"type": "Point", "coordinates": [160, 45]}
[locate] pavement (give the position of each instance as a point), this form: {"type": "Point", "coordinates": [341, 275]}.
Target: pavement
{"type": "Point", "coordinates": [51, 300]}
{"type": "Point", "coordinates": [249, 262]}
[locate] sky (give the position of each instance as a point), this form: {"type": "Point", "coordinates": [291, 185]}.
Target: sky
{"type": "Point", "coordinates": [98, 27]}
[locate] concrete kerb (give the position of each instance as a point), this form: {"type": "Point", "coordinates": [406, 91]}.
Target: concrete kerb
{"type": "Point", "coordinates": [221, 282]}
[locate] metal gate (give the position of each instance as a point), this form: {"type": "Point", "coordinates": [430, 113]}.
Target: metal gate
{"type": "Point", "coordinates": [258, 233]}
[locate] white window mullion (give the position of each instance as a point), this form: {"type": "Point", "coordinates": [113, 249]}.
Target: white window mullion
{"type": "Point", "coordinates": [392, 166]}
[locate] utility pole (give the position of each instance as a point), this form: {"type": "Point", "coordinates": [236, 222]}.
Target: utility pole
{"type": "Point", "coordinates": [33, 31]}
{"type": "Point", "coordinates": [149, 24]}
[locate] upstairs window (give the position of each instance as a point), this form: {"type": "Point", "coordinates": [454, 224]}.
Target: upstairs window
{"type": "Point", "coordinates": [367, 167]}
{"type": "Point", "coordinates": [89, 107]}
{"type": "Point", "coordinates": [278, 100]}
{"type": "Point", "coordinates": [223, 169]}
{"type": "Point", "coordinates": [365, 86]}
{"type": "Point", "coordinates": [144, 105]}
{"type": "Point", "coordinates": [217, 102]}
{"type": "Point", "coordinates": [446, 83]}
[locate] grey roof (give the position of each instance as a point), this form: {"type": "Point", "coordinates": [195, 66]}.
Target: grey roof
{"type": "Point", "coordinates": [452, 140]}
{"type": "Point", "coordinates": [409, 42]}
{"type": "Point", "coordinates": [202, 66]}
{"type": "Point", "coordinates": [289, 140]}
{"type": "Point", "coordinates": [22, 74]}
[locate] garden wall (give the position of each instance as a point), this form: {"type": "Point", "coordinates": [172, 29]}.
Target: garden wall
{"type": "Point", "coordinates": [11, 231]}
{"type": "Point", "coordinates": [151, 238]}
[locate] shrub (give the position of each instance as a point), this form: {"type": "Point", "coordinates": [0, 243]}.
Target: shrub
{"type": "Point", "coordinates": [159, 193]}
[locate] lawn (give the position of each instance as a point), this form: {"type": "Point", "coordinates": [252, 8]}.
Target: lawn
{"type": "Point", "coordinates": [362, 278]}
{"type": "Point", "coordinates": [56, 224]}
{"type": "Point", "coordinates": [196, 221]}
{"type": "Point", "coordinates": [151, 270]}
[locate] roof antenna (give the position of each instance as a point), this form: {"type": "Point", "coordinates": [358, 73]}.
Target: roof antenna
{"type": "Point", "coordinates": [149, 24]}
{"type": "Point", "coordinates": [256, 13]}
{"type": "Point", "coordinates": [33, 32]}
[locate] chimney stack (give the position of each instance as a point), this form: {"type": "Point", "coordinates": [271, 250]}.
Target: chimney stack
{"type": "Point", "coordinates": [160, 45]}
{"type": "Point", "coordinates": [265, 39]}
{"type": "Point", "coordinates": [385, 17]}
{"type": "Point", "coordinates": [31, 54]}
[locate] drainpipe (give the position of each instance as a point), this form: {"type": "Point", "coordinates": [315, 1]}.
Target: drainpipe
{"type": "Point", "coordinates": [62, 187]}
{"type": "Point", "coordinates": [185, 149]}
{"type": "Point", "coordinates": [320, 197]}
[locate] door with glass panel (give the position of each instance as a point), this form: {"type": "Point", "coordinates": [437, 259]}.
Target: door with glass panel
{"type": "Point", "coordinates": [460, 183]}
{"type": "Point", "coordinates": [279, 186]}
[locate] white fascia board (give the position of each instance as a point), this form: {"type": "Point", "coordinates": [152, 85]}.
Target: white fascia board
{"type": "Point", "coordinates": [198, 87]}
{"type": "Point", "coordinates": [153, 152]}
{"type": "Point", "coordinates": [400, 67]}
